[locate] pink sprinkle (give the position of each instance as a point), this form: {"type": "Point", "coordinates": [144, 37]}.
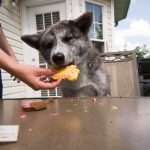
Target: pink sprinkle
{"type": "Point", "coordinates": [25, 105]}
{"type": "Point", "coordinates": [71, 75]}
{"type": "Point", "coordinates": [65, 75]}
{"type": "Point", "coordinates": [94, 100]}
{"type": "Point", "coordinates": [23, 116]}
{"type": "Point", "coordinates": [54, 114]}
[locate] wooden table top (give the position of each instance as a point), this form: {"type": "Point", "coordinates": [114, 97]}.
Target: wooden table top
{"type": "Point", "coordinates": [80, 124]}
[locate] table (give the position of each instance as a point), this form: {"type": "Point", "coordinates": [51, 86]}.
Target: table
{"type": "Point", "coordinates": [80, 124]}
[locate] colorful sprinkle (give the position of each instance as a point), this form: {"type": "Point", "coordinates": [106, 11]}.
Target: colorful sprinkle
{"type": "Point", "coordinates": [114, 108]}
{"type": "Point", "coordinates": [85, 110]}
{"type": "Point", "coordinates": [69, 110]}
{"type": "Point", "coordinates": [50, 100]}
{"type": "Point", "coordinates": [85, 107]}
{"type": "Point", "coordinates": [23, 116]}
{"type": "Point", "coordinates": [72, 100]}
{"type": "Point", "coordinates": [30, 129]}
{"type": "Point", "coordinates": [26, 105]}
{"type": "Point", "coordinates": [94, 100]}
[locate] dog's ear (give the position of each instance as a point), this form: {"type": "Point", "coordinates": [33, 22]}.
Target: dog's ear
{"type": "Point", "coordinates": [83, 22]}
{"type": "Point", "coordinates": [32, 40]}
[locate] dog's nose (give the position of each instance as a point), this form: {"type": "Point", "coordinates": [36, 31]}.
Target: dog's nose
{"type": "Point", "coordinates": [58, 58]}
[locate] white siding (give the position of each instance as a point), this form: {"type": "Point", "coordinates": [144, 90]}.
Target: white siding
{"type": "Point", "coordinates": [73, 9]}
{"type": "Point", "coordinates": [10, 20]}
{"type": "Point", "coordinates": [109, 25]}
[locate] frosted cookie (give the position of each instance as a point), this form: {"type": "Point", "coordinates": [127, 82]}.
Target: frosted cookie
{"type": "Point", "coordinates": [34, 106]}
{"type": "Point", "coordinates": [70, 73]}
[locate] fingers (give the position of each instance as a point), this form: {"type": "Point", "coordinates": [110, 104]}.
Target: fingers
{"type": "Point", "coordinates": [47, 72]}
{"type": "Point", "coordinates": [42, 78]}
{"type": "Point", "coordinates": [18, 80]}
{"type": "Point", "coordinates": [15, 79]}
{"type": "Point", "coordinates": [48, 84]}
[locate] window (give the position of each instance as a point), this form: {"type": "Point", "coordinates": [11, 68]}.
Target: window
{"type": "Point", "coordinates": [46, 19]}
{"type": "Point", "coordinates": [96, 29]}
{"type": "Point", "coordinates": [42, 22]}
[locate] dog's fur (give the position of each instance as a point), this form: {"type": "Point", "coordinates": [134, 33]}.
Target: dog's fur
{"type": "Point", "coordinates": [67, 43]}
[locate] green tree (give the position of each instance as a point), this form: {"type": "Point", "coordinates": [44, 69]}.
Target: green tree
{"type": "Point", "coordinates": [142, 51]}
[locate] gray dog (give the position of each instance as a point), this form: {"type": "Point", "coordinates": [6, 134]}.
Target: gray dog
{"type": "Point", "coordinates": [66, 43]}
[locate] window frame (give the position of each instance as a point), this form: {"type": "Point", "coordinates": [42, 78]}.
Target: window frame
{"type": "Point", "coordinates": [103, 5]}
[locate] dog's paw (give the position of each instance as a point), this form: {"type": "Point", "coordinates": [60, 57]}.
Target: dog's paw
{"type": "Point", "coordinates": [70, 73]}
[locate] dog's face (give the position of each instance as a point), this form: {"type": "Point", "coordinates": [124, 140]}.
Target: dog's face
{"type": "Point", "coordinates": [64, 43]}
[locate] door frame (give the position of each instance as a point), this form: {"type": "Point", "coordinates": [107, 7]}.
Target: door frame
{"type": "Point", "coordinates": [25, 4]}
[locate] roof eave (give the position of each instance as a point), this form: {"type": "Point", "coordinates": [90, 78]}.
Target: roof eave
{"type": "Point", "coordinates": [121, 9]}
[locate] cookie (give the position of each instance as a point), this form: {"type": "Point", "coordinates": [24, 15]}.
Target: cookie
{"type": "Point", "coordinates": [69, 73]}
{"type": "Point", "coordinates": [34, 106]}
{"type": "Point", "coordinates": [38, 105]}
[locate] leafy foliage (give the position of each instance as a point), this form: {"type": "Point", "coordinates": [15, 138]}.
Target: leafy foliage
{"type": "Point", "coordinates": [142, 51]}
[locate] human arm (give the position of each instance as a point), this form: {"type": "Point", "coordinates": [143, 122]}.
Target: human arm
{"type": "Point", "coordinates": [32, 76]}
{"type": "Point", "coordinates": [4, 45]}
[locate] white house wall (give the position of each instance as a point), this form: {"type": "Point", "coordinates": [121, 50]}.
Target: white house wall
{"type": "Point", "coordinates": [10, 20]}
{"type": "Point", "coordinates": [75, 8]}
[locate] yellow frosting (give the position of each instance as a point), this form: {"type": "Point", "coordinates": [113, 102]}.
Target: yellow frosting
{"type": "Point", "coordinates": [70, 73]}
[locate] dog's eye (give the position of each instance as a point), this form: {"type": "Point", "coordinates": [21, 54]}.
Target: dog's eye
{"type": "Point", "coordinates": [48, 45]}
{"type": "Point", "coordinates": [67, 38]}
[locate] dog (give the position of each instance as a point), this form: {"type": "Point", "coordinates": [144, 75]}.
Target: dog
{"type": "Point", "coordinates": [66, 43]}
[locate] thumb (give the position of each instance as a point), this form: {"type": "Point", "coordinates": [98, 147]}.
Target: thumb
{"type": "Point", "coordinates": [47, 72]}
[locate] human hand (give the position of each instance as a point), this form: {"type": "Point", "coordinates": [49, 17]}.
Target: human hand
{"type": "Point", "coordinates": [35, 77]}
{"type": "Point", "coordinates": [15, 79]}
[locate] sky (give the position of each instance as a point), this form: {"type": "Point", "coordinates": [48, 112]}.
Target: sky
{"type": "Point", "coordinates": [134, 30]}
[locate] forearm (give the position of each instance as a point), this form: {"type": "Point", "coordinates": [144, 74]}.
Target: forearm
{"type": "Point", "coordinates": [32, 76]}
{"type": "Point", "coordinates": [7, 63]}
{"type": "Point", "coordinates": [4, 45]}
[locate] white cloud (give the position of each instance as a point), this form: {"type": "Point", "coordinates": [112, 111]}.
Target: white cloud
{"type": "Point", "coordinates": [133, 1]}
{"type": "Point", "coordinates": [137, 29]}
